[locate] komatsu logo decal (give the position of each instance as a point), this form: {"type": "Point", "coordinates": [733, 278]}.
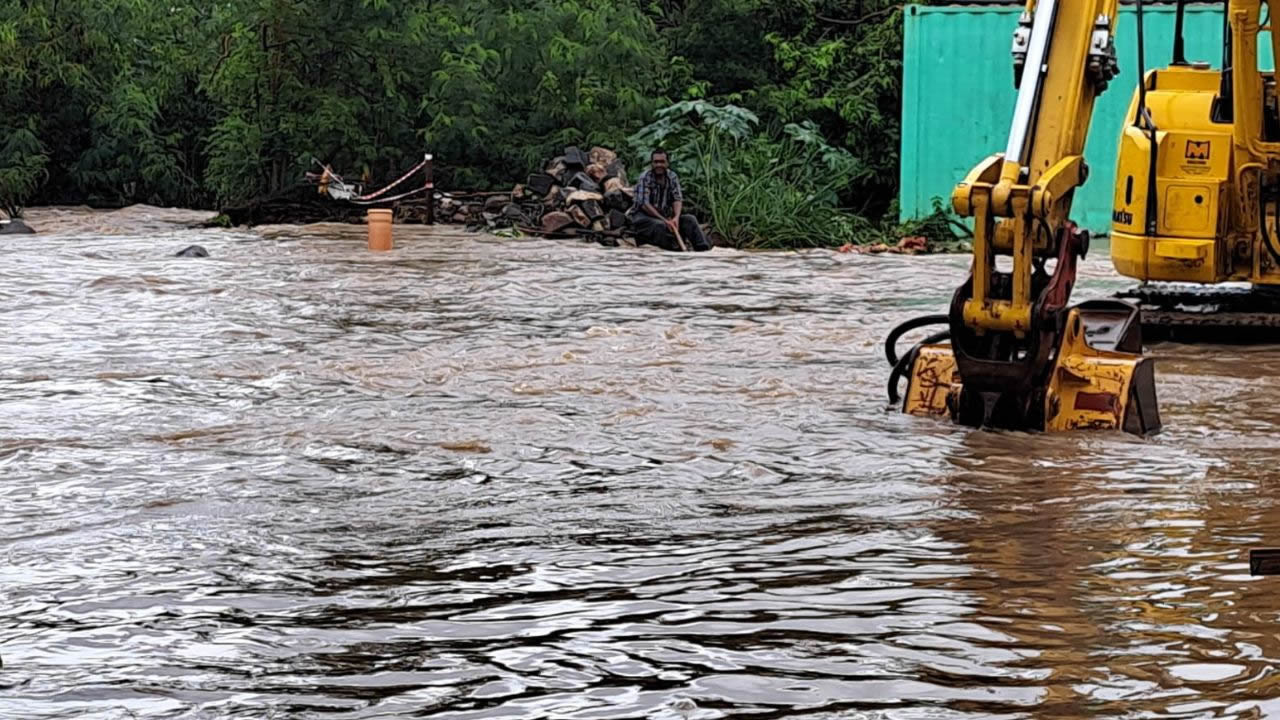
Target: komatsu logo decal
{"type": "Point", "coordinates": [1198, 150]}
{"type": "Point", "coordinates": [1122, 216]}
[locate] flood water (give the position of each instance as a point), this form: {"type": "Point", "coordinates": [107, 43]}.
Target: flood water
{"type": "Point", "coordinates": [485, 478]}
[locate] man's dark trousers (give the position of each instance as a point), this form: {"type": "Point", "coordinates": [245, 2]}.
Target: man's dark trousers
{"type": "Point", "coordinates": [652, 231]}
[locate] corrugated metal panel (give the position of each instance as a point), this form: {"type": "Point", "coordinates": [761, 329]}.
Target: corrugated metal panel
{"type": "Point", "coordinates": [958, 96]}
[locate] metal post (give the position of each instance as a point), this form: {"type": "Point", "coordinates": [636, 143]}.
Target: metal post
{"type": "Point", "coordinates": [1179, 45]}
{"type": "Point", "coordinates": [429, 184]}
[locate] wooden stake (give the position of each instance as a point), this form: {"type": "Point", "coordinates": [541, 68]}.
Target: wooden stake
{"type": "Point", "coordinates": [684, 246]}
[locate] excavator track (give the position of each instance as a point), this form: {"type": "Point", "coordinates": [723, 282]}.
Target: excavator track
{"type": "Point", "coordinates": [1193, 314]}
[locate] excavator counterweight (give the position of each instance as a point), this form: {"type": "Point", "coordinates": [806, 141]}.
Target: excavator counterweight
{"type": "Point", "coordinates": [1198, 187]}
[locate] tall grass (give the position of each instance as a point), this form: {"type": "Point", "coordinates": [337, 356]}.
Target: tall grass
{"type": "Point", "coordinates": [764, 193]}
{"type": "Point", "coordinates": [757, 189]}
{"type": "Point", "coordinates": [22, 168]}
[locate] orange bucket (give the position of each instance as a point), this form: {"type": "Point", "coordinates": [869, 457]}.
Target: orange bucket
{"type": "Point", "coordinates": [379, 229]}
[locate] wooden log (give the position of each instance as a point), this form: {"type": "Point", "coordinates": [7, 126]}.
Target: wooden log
{"type": "Point", "coordinates": [617, 220]}
{"type": "Point", "coordinates": [596, 172]}
{"type": "Point", "coordinates": [579, 216]}
{"type": "Point", "coordinates": [613, 184]}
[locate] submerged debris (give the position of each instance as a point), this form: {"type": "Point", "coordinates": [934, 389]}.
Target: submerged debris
{"type": "Point", "coordinates": [195, 251]}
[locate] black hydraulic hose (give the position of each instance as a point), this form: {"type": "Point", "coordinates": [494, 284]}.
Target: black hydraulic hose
{"type": "Point", "coordinates": [1142, 73]}
{"type": "Point", "coordinates": [1144, 113]}
{"type": "Point", "coordinates": [1226, 88]}
{"type": "Point", "coordinates": [1179, 46]}
{"type": "Point", "coordinates": [903, 366]}
{"type": "Point", "coordinates": [1267, 237]}
{"type": "Point", "coordinates": [891, 342]}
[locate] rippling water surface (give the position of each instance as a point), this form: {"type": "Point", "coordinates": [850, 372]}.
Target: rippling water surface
{"type": "Point", "coordinates": [481, 478]}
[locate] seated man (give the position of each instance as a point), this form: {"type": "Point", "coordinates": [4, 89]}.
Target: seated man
{"type": "Point", "coordinates": [656, 213]}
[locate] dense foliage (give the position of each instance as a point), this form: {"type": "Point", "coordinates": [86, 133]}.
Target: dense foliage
{"type": "Point", "coordinates": [112, 102]}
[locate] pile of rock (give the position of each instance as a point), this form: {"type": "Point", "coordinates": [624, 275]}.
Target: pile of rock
{"type": "Point", "coordinates": [583, 194]}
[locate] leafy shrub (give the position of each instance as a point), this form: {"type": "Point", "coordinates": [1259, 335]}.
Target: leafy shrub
{"type": "Point", "coordinates": [758, 190]}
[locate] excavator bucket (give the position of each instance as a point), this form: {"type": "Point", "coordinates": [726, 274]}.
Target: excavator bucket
{"type": "Point", "coordinates": [1098, 380]}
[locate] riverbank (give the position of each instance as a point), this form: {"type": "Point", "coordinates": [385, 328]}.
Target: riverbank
{"type": "Point", "coordinates": [82, 219]}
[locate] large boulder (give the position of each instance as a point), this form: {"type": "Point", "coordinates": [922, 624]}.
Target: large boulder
{"type": "Point", "coordinates": [594, 209]}
{"type": "Point", "coordinates": [557, 198]}
{"type": "Point", "coordinates": [579, 196]}
{"type": "Point", "coordinates": [513, 213]}
{"type": "Point", "coordinates": [597, 172]}
{"type": "Point", "coordinates": [618, 200]}
{"type": "Point", "coordinates": [193, 251]}
{"type": "Point", "coordinates": [602, 156]}
{"type": "Point", "coordinates": [583, 181]}
{"type": "Point", "coordinates": [558, 169]}
{"type": "Point", "coordinates": [580, 216]}
{"type": "Point", "coordinates": [553, 222]}
{"type": "Point", "coordinates": [495, 203]}
{"type": "Point", "coordinates": [575, 158]}
{"type": "Point", "coordinates": [16, 227]}
{"type": "Point", "coordinates": [617, 169]}
{"type": "Point", "coordinates": [541, 183]}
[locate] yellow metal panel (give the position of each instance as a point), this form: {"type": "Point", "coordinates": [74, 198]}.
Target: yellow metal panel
{"type": "Point", "coordinates": [1182, 260]}
{"type": "Point", "coordinates": [1129, 254]}
{"type": "Point", "coordinates": [1180, 250]}
{"type": "Point", "coordinates": [933, 378]}
{"type": "Point", "coordinates": [1192, 155]}
{"type": "Point", "coordinates": [1190, 210]}
{"type": "Point", "coordinates": [1187, 78]}
{"type": "Point", "coordinates": [1130, 200]}
{"type": "Point", "coordinates": [998, 315]}
{"type": "Point", "coordinates": [1089, 388]}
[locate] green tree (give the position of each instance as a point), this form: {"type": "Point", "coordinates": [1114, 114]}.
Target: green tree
{"type": "Point", "coordinates": [118, 101]}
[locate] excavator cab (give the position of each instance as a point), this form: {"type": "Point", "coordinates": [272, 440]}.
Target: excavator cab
{"type": "Point", "coordinates": [1015, 354]}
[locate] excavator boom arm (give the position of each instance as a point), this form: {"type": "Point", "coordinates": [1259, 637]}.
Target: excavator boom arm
{"type": "Point", "coordinates": [1019, 357]}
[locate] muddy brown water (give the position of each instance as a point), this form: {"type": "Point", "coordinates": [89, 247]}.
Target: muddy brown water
{"type": "Point", "coordinates": [484, 478]}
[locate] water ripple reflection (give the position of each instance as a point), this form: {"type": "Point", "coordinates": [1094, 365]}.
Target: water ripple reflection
{"type": "Point", "coordinates": [483, 478]}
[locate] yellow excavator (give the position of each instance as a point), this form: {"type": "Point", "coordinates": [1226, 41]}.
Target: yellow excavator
{"type": "Point", "coordinates": [1200, 209]}
{"type": "Point", "coordinates": [1196, 199]}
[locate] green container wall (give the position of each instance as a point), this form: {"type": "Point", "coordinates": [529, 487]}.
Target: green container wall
{"type": "Point", "coordinates": [958, 96]}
